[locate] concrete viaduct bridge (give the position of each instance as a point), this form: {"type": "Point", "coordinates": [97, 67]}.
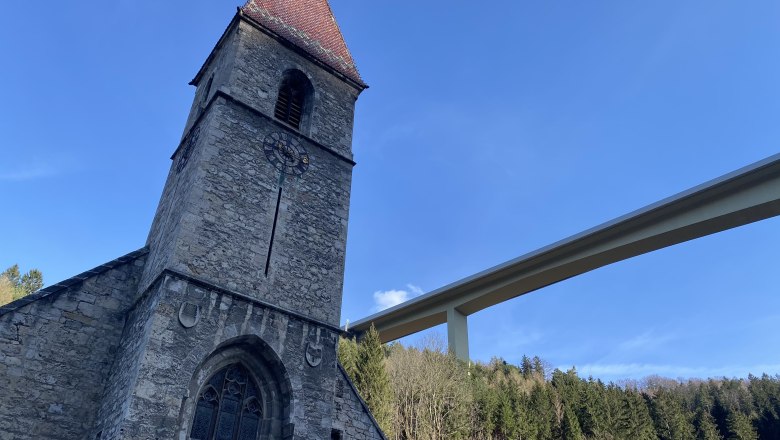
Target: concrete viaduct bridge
{"type": "Point", "coordinates": [744, 196]}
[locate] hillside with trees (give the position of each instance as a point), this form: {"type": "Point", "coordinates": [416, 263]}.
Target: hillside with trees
{"type": "Point", "coordinates": [14, 285]}
{"type": "Point", "coordinates": [425, 393]}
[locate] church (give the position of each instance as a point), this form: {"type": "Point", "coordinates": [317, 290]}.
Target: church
{"type": "Point", "coordinates": [224, 325]}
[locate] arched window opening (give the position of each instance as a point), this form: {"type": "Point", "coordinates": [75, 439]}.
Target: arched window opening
{"type": "Point", "coordinates": [292, 99]}
{"type": "Point", "coordinates": [240, 392]}
{"type": "Point", "coordinates": [229, 407]}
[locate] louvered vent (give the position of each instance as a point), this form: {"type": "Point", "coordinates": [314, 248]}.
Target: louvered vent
{"type": "Point", "coordinates": [289, 105]}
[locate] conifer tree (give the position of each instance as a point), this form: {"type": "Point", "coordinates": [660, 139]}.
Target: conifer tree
{"type": "Point", "coordinates": [31, 281]}
{"type": "Point", "coordinates": [485, 403]}
{"type": "Point", "coordinates": [371, 379]}
{"type": "Point", "coordinates": [13, 275]}
{"type": "Point", "coordinates": [740, 427]}
{"type": "Point", "coordinates": [635, 421]}
{"type": "Point", "coordinates": [14, 285]}
{"type": "Point", "coordinates": [538, 367]}
{"type": "Point", "coordinates": [570, 427]}
{"type": "Point", "coordinates": [523, 412]}
{"type": "Point", "coordinates": [766, 398]}
{"type": "Point", "coordinates": [671, 421]}
{"type": "Point", "coordinates": [347, 352]}
{"type": "Point", "coordinates": [543, 419]}
{"type": "Point", "coordinates": [706, 429]}
{"type": "Point", "coordinates": [526, 367]}
{"type": "Point", "coordinates": [506, 425]}
{"type": "Point", "coordinates": [592, 413]}
{"type": "Point", "coordinates": [706, 426]}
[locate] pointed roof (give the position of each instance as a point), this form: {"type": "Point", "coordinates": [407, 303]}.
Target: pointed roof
{"type": "Point", "coordinates": [310, 25]}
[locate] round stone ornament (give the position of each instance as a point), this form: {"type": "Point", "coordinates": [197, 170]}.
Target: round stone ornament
{"type": "Point", "coordinates": [313, 353]}
{"type": "Point", "coordinates": [189, 314]}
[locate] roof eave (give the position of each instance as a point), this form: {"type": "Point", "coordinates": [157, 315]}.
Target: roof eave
{"type": "Point", "coordinates": [358, 84]}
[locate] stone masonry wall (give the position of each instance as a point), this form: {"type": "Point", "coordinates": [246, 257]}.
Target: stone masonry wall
{"type": "Point", "coordinates": [174, 355]}
{"type": "Point", "coordinates": [352, 417]}
{"type": "Point", "coordinates": [257, 73]}
{"type": "Point", "coordinates": [56, 351]}
{"type": "Point", "coordinates": [216, 216]}
{"type": "Point", "coordinates": [224, 226]}
{"type": "Point", "coordinates": [218, 70]}
{"type": "Point", "coordinates": [115, 401]}
{"type": "Point", "coordinates": [171, 211]}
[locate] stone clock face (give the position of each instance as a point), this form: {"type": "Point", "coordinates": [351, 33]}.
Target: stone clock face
{"type": "Point", "coordinates": [184, 156]}
{"type": "Point", "coordinates": [286, 153]}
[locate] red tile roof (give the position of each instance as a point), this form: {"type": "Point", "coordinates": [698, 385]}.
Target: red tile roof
{"type": "Point", "coordinates": [310, 25]}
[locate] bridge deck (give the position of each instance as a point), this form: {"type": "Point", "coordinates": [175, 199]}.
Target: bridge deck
{"type": "Point", "coordinates": [744, 196]}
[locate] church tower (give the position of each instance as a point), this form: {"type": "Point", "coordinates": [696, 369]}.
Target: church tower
{"type": "Point", "coordinates": [234, 330]}
{"type": "Point", "coordinates": [258, 195]}
{"type": "Point", "coordinates": [224, 325]}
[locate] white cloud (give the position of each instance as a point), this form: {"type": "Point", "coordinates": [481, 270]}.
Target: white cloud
{"type": "Point", "coordinates": [384, 299]}
{"type": "Point", "coordinates": [638, 371]}
{"type": "Point", "coordinates": [415, 290]}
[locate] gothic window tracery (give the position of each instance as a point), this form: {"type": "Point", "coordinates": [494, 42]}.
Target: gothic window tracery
{"type": "Point", "coordinates": [229, 407]}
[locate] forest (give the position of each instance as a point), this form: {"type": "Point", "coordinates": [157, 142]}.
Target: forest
{"type": "Point", "coordinates": [425, 393]}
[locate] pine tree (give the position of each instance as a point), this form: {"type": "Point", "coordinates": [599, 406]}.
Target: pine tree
{"type": "Point", "coordinates": [348, 357]}
{"type": "Point", "coordinates": [670, 419]}
{"type": "Point", "coordinates": [13, 275]}
{"type": "Point", "coordinates": [538, 367]}
{"type": "Point", "coordinates": [706, 429]}
{"type": "Point", "coordinates": [593, 410]}
{"type": "Point", "coordinates": [766, 398]}
{"type": "Point", "coordinates": [543, 422]}
{"type": "Point", "coordinates": [740, 427]}
{"type": "Point", "coordinates": [372, 381]}
{"type": "Point", "coordinates": [485, 403]}
{"type": "Point", "coordinates": [526, 367]}
{"type": "Point", "coordinates": [523, 411]}
{"type": "Point", "coordinates": [706, 426]}
{"type": "Point", "coordinates": [31, 281]}
{"type": "Point", "coordinates": [506, 423]}
{"type": "Point", "coordinates": [635, 422]}
{"type": "Point", "coordinates": [570, 427]}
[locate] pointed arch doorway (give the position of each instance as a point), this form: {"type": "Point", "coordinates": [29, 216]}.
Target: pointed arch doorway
{"type": "Point", "coordinates": [241, 392]}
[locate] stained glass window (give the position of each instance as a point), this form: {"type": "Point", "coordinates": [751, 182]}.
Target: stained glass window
{"type": "Point", "coordinates": [228, 407]}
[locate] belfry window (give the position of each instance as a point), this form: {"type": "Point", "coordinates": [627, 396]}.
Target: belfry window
{"type": "Point", "coordinates": [229, 407]}
{"type": "Point", "coordinates": [292, 99]}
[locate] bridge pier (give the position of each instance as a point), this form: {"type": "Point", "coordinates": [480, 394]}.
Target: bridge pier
{"type": "Point", "coordinates": [458, 334]}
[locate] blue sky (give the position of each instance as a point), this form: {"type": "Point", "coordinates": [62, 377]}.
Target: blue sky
{"type": "Point", "coordinates": [488, 132]}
